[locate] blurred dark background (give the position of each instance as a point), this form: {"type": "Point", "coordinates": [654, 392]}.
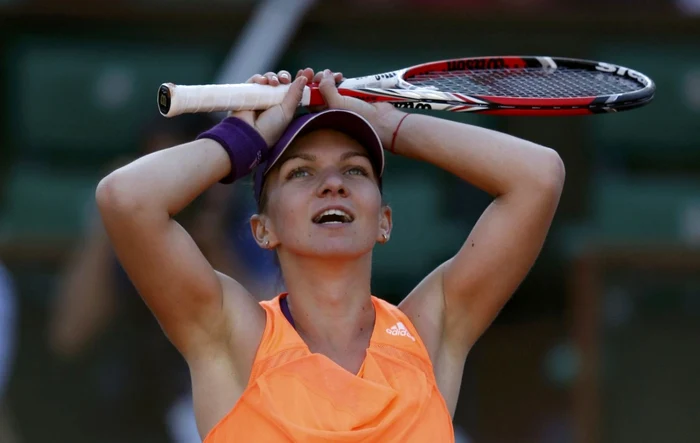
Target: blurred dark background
{"type": "Point", "coordinates": [600, 344]}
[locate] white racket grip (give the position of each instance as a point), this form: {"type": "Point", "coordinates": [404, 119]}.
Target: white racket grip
{"type": "Point", "coordinates": [181, 99]}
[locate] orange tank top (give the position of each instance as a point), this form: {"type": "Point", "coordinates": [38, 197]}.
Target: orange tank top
{"type": "Point", "coordinates": [294, 395]}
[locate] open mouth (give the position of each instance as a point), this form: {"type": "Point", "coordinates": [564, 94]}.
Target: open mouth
{"type": "Point", "coordinates": [333, 216]}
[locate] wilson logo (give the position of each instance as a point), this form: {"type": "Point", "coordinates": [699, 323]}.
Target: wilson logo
{"type": "Point", "coordinates": [478, 63]}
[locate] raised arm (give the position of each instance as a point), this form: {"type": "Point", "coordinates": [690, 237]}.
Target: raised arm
{"type": "Point", "coordinates": [197, 307]}
{"type": "Point", "coordinates": [137, 203]}
{"type": "Point", "coordinates": [466, 293]}
{"type": "Point", "coordinates": [453, 306]}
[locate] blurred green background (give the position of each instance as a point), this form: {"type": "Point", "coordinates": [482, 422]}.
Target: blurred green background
{"type": "Point", "coordinates": [599, 344]}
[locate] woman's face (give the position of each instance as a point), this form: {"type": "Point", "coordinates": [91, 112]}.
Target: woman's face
{"type": "Point", "coordinates": [323, 200]}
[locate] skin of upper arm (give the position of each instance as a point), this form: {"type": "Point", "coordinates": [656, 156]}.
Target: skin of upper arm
{"type": "Point", "coordinates": [453, 306]}
{"type": "Point", "coordinates": [174, 278]}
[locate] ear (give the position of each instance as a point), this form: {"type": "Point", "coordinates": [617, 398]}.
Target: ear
{"type": "Point", "coordinates": [261, 227]}
{"type": "Point", "coordinates": [385, 225]}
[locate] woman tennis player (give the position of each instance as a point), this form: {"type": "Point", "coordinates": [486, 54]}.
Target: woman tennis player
{"type": "Point", "coordinates": [327, 361]}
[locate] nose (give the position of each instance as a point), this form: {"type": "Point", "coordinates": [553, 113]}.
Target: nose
{"type": "Point", "coordinates": [332, 184]}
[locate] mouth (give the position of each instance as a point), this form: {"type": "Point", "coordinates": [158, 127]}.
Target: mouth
{"type": "Point", "coordinates": [333, 216]}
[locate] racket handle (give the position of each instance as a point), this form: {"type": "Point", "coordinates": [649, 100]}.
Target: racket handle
{"type": "Point", "coordinates": [180, 99]}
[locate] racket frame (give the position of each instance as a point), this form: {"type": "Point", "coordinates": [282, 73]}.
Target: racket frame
{"type": "Point", "coordinates": [395, 87]}
{"type": "Point", "coordinates": [402, 94]}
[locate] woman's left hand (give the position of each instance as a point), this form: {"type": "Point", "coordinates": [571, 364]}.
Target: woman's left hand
{"type": "Point", "coordinates": [382, 116]}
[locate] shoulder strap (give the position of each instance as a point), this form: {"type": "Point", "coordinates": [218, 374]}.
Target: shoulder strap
{"type": "Point", "coordinates": [279, 332]}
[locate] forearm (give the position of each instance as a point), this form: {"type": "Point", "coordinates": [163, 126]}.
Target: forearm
{"type": "Point", "coordinates": [494, 162]}
{"type": "Point", "coordinates": [168, 180]}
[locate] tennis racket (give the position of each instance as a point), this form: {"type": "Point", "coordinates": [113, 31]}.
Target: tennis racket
{"type": "Point", "coordinates": [490, 85]}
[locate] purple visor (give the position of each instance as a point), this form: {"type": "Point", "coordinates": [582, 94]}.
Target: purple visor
{"type": "Point", "coordinates": [347, 122]}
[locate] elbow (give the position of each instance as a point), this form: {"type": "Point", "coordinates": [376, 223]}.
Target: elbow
{"type": "Point", "coordinates": [551, 173]}
{"type": "Point", "coordinates": [114, 195]}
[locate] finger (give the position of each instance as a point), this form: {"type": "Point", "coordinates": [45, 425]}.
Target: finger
{"type": "Point", "coordinates": [285, 77]}
{"type": "Point", "coordinates": [299, 72]}
{"type": "Point", "coordinates": [338, 76]}
{"type": "Point", "coordinates": [293, 98]}
{"type": "Point", "coordinates": [272, 78]}
{"type": "Point", "coordinates": [329, 91]}
{"type": "Point", "coordinates": [257, 78]}
{"type": "Point", "coordinates": [309, 74]}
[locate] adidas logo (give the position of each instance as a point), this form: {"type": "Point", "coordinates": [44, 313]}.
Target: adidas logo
{"type": "Point", "coordinates": [399, 330]}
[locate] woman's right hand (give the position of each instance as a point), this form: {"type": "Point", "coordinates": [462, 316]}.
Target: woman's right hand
{"type": "Point", "coordinates": [383, 117]}
{"type": "Point", "coordinates": [272, 122]}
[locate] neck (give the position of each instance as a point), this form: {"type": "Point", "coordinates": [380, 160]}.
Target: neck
{"type": "Point", "coordinates": [329, 299]}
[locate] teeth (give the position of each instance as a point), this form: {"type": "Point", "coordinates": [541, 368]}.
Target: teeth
{"type": "Point", "coordinates": [334, 212]}
{"type": "Point", "coordinates": [337, 212]}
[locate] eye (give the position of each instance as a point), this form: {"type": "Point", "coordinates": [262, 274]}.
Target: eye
{"type": "Point", "coordinates": [357, 170]}
{"type": "Point", "coordinates": [297, 173]}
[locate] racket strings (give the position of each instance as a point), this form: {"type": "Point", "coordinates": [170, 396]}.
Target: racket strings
{"type": "Point", "coordinates": [526, 82]}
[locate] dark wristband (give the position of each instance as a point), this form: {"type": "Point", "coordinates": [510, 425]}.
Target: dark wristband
{"type": "Point", "coordinates": [244, 146]}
